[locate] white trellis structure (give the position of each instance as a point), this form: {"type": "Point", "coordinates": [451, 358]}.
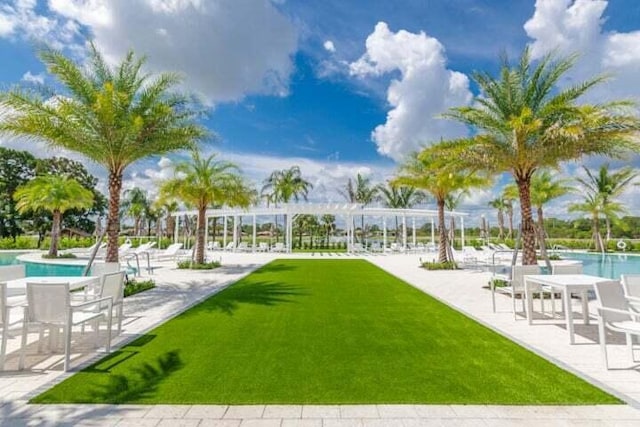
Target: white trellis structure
{"type": "Point", "coordinates": [347, 212]}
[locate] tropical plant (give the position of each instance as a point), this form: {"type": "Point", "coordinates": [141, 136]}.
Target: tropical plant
{"type": "Point", "coordinates": [400, 197]}
{"type": "Point", "coordinates": [436, 172]}
{"type": "Point", "coordinates": [500, 204]}
{"type": "Point", "coordinates": [136, 205]}
{"type": "Point", "coordinates": [114, 116]}
{"type": "Point", "coordinates": [284, 185]}
{"type": "Point", "coordinates": [451, 203]}
{"type": "Point", "coordinates": [364, 192]}
{"type": "Point", "coordinates": [510, 196]}
{"type": "Point", "coordinates": [202, 181]}
{"type": "Point", "coordinates": [594, 206]}
{"type": "Point", "coordinates": [524, 123]}
{"type": "Point", "coordinates": [544, 188]}
{"type": "Point", "coordinates": [328, 222]}
{"type": "Point", "coordinates": [53, 194]}
{"type": "Point", "coordinates": [609, 185]}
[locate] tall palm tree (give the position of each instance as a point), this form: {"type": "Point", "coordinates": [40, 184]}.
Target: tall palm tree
{"type": "Point", "coordinates": [328, 222]}
{"type": "Point", "coordinates": [435, 171]}
{"type": "Point", "coordinates": [54, 194]}
{"type": "Point", "coordinates": [203, 181]}
{"type": "Point", "coordinates": [451, 203]}
{"type": "Point", "coordinates": [510, 196]}
{"type": "Point", "coordinates": [364, 192]}
{"type": "Point", "coordinates": [285, 185]}
{"type": "Point", "coordinates": [400, 197]}
{"type": "Point", "coordinates": [524, 123]}
{"type": "Point", "coordinates": [545, 188]}
{"type": "Point", "coordinates": [609, 185]}
{"type": "Point", "coordinates": [136, 205]}
{"type": "Point", "coordinates": [114, 116]}
{"type": "Point", "coordinates": [168, 206]}
{"type": "Point", "coordinates": [500, 204]}
{"type": "Point", "coordinates": [594, 206]}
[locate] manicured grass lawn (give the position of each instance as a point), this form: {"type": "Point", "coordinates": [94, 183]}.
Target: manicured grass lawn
{"type": "Point", "coordinates": [323, 331]}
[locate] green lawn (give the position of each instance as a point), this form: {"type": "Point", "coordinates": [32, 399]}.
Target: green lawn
{"type": "Point", "coordinates": [323, 331]}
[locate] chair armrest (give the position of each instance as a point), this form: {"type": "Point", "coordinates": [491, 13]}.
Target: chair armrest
{"type": "Point", "coordinates": [632, 299]}
{"type": "Point", "coordinates": [93, 302]}
{"type": "Point", "coordinates": [604, 310]}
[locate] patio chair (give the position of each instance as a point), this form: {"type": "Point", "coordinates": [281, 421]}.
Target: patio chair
{"type": "Point", "coordinates": [243, 247]}
{"type": "Point", "coordinates": [11, 272]}
{"type": "Point", "coordinates": [213, 246]}
{"type": "Point", "coordinates": [278, 247]}
{"type": "Point", "coordinates": [87, 252]}
{"type": "Point", "coordinates": [263, 247]}
{"type": "Point", "coordinates": [6, 305]}
{"type": "Point", "coordinates": [515, 285]}
{"type": "Point", "coordinates": [112, 286]}
{"type": "Point", "coordinates": [631, 286]}
{"type": "Point", "coordinates": [230, 246]}
{"type": "Point", "coordinates": [615, 314]}
{"type": "Point", "coordinates": [49, 305]}
{"type": "Point", "coordinates": [574, 268]}
{"type": "Point", "coordinates": [168, 254]}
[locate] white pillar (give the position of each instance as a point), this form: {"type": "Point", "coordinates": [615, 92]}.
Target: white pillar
{"type": "Point", "coordinates": [433, 232]}
{"type": "Point", "coordinates": [404, 233]}
{"type": "Point", "coordinates": [176, 234]}
{"type": "Point", "coordinates": [235, 232]}
{"type": "Point", "coordinates": [462, 230]}
{"type": "Point", "coordinates": [206, 231]}
{"type": "Point", "coordinates": [224, 232]}
{"type": "Point", "coordinates": [413, 226]}
{"type": "Point", "coordinates": [384, 234]}
{"type": "Point", "coordinates": [253, 244]}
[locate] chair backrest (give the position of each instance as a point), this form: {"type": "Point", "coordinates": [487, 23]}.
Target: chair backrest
{"type": "Point", "coordinates": [518, 271]}
{"type": "Point", "coordinates": [263, 245]}
{"type": "Point", "coordinates": [101, 268]}
{"type": "Point", "coordinates": [611, 295]}
{"type": "Point", "coordinates": [3, 303]}
{"type": "Point", "coordinates": [243, 245]}
{"type": "Point", "coordinates": [279, 245]}
{"type": "Point", "coordinates": [212, 245]}
{"type": "Point", "coordinates": [566, 268]}
{"type": "Point", "coordinates": [231, 245]}
{"type": "Point", "coordinates": [124, 248]}
{"type": "Point", "coordinates": [113, 286]}
{"type": "Point", "coordinates": [631, 285]}
{"type": "Point", "coordinates": [10, 272]}
{"type": "Point", "coordinates": [48, 302]}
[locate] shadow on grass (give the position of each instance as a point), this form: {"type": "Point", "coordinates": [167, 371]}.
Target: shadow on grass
{"type": "Point", "coordinates": [259, 293]}
{"type": "Point", "coordinates": [275, 268]}
{"type": "Point", "coordinates": [141, 382]}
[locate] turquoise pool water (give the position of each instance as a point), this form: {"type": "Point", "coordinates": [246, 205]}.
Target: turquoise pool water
{"type": "Point", "coordinates": [609, 265]}
{"type": "Point", "coordinates": [36, 269]}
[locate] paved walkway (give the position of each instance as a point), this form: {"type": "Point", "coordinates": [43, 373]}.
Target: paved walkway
{"type": "Point", "coordinates": [461, 289]}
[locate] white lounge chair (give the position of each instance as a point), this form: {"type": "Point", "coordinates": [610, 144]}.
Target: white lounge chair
{"type": "Point", "coordinates": [49, 304]}
{"type": "Point", "coordinates": [262, 247]}
{"type": "Point", "coordinates": [243, 247]}
{"type": "Point", "coordinates": [230, 246]}
{"type": "Point", "coordinates": [168, 254]}
{"type": "Point", "coordinates": [615, 314]}
{"type": "Point", "coordinates": [213, 246]}
{"type": "Point", "coordinates": [279, 247]}
{"type": "Point", "coordinates": [631, 286]}
{"type": "Point", "coordinates": [515, 285]}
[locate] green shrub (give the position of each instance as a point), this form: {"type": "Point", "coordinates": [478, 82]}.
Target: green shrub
{"type": "Point", "coordinates": [190, 265]}
{"type": "Point", "coordinates": [60, 256]}
{"type": "Point", "coordinates": [132, 287]}
{"type": "Point", "coordinates": [449, 265]}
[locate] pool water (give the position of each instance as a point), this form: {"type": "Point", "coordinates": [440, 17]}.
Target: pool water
{"type": "Point", "coordinates": [37, 269]}
{"type": "Point", "coordinates": [607, 265]}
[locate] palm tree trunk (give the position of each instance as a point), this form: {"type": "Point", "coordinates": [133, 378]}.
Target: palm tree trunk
{"type": "Point", "coordinates": [510, 212]}
{"type": "Point", "coordinates": [528, 227]}
{"type": "Point", "coordinates": [113, 216]}
{"type": "Point", "coordinates": [200, 237]}
{"type": "Point", "coordinates": [596, 234]}
{"type": "Point", "coordinates": [608, 224]}
{"type": "Point", "coordinates": [541, 234]}
{"type": "Point", "coordinates": [362, 228]}
{"type": "Point", "coordinates": [500, 224]}
{"type": "Point", "coordinates": [55, 233]}
{"type": "Point", "coordinates": [397, 240]}
{"type": "Point", "coordinates": [442, 229]}
{"type": "Point", "coordinates": [171, 225]}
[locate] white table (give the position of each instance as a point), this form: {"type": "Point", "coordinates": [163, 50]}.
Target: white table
{"type": "Point", "coordinates": [568, 284]}
{"type": "Point", "coordinates": [19, 286]}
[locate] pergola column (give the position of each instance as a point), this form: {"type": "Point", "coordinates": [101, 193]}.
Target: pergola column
{"type": "Point", "coordinates": [404, 233]}
{"type": "Point", "coordinates": [176, 234]}
{"type": "Point", "coordinates": [224, 232]}
{"type": "Point", "coordinates": [413, 226]}
{"type": "Point", "coordinates": [253, 244]}
{"type": "Point", "coordinates": [462, 231]}
{"type": "Point", "coordinates": [235, 232]}
{"type": "Point", "coordinates": [384, 234]}
{"type": "Point", "coordinates": [433, 231]}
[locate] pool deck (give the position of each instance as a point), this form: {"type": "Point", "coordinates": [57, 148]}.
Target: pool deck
{"type": "Point", "coordinates": [463, 290]}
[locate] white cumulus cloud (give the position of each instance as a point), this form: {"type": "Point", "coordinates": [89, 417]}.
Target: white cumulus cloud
{"type": "Point", "coordinates": [33, 78]}
{"type": "Point", "coordinates": [568, 26]}
{"type": "Point", "coordinates": [329, 46]}
{"type": "Point", "coordinates": [426, 88]}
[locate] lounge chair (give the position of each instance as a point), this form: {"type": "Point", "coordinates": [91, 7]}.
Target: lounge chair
{"type": "Point", "coordinates": [87, 252]}
{"type": "Point", "coordinates": [615, 314]}
{"type": "Point", "coordinates": [168, 254]}
{"type": "Point", "coordinates": [230, 246]}
{"type": "Point", "coordinates": [243, 247]}
{"type": "Point", "coordinates": [213, 246]}
{"type": "Point", "coordinates": [279, 247]}
{"type": "Point", "coordinates": [262, 247]}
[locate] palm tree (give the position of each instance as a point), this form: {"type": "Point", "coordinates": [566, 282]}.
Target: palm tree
{"type": "Point", "coordinates": [545, 188]}
{"type": "Point", "coordinates": [137, 206]}
{"type": "Point", "coordinates": [608, 185]}
{"type": "Point", "coordinates": [364, 193]}
{"type": "Point", "coordinates": [510, 196]}
{"type": "Point", "coordinates": [201, 182]}
{"type": "Point", "coordinates": [400, 197]}
{"type": "Point", "coordinates": [54, 194]}
{"type": "Point", "coordinates": [594, 206]}
{"type": "Point", "coordinates": [114, 116]}
{"type": "Point", "coordinates": [284, 185]}
{"type": "Point", "coordinates": [525, 123]}
{"type": "Point", "coordinates": [451, 203]}
{"type": "Point", "coordinates": [436, 172]}
{"type": "Point", "coordinates": [500, 204]}
{"type": "Point", "coordinates": [168, 206]}
{"type": "Point", "coordinates": [328, 222]}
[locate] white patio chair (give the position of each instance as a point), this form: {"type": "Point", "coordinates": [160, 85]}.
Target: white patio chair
{"type": "Point", "coordinates": [515, 285]}
{"type": "Point", "coordinates": [243, 247]}
{"type": "Point", "coordinates": [263, 247]}
{"type": "Point", "coordinates": [113, 286]}
{"type": "Point", "coordinates": [631, 286]}
{"type": "Point", "coordinates": [99, 269]}
{"type": "Point", "coordinates": [230, 246]}
{"type": "Point", "coordinates": [278, 247]}
{"type": "Point", "coordinates": [49, 305]}
{"type": "Point", "coordinates": [6, 305]}
{"type": "Point", "coordinates": [11, 272]}
{"type": "Point", "coordinates": [168, 254]}
{"type": "Point", "coordinates": [213, 246]}
{"type": "Point", "coordinates": [615, 314]}
{"type": "Point", "coordinates": [575, 268]}
{"type": "Point", "coordinates": [87, 252]}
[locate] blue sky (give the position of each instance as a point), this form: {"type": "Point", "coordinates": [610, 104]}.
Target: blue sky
{"type": "Point", "coordinates": [338, 87]}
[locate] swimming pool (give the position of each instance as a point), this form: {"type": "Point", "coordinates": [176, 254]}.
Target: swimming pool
{"type": "Point", "coordinates": [607, 265]}
{"type": "Point", "coordinates": [41, 269]}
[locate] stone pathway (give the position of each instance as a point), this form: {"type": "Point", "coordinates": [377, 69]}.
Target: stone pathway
{"type": "Point", "coordinates": [462, 289]}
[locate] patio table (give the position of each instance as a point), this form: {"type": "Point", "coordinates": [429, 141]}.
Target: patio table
{"type": "Point", "coordinates": [568, 284]}
{"type": "Point", "coordinates": [19, 286]}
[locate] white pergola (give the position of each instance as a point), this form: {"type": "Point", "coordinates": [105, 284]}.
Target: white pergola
{"type": "Point", "coordinates": [347, 211]}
